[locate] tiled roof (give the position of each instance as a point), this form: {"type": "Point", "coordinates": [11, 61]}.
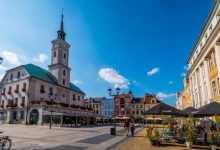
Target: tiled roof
{"type": "Point", "coordinates": [148, 98]}
{"type": "Point", "coordinates": [137, 100]}
{"type": "Point", "coordinates": [42, 74]}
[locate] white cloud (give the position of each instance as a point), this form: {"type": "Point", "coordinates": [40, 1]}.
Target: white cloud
{"type": "Point", "coordinates": [11, 57]}
{"type": "Point", "coordinates": [162, 95]}
{"type": "Point", "coordinates": [153, 71]}
{"type": "Point", "coordinates": [77, 82]}
{"type": "Point", "coordinates": [41, 58]}
{"type": "Point", "coordinates": [186, 68]}
{"type": "Point", "coordinates": [170, 82]}
{"type": "Point", "coordinates": [112, 76]}
{"type": "Point", "coordinates": [183, 74]}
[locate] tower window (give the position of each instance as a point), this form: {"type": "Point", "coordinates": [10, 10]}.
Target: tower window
{"type": "Point", "coordinates": [64, 72]}
{"type": "Point", "coordinates": [54, 54]}
{"type": "Point", "coordinates": [64, 55]}
{"type": "Point", "coordinates": [64, 82]}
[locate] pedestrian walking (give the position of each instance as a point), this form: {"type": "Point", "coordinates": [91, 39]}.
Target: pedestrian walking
{"type": "Point", "coordinates": [126, 127]}
{"type": "Point", "coordinates": [132, 128]}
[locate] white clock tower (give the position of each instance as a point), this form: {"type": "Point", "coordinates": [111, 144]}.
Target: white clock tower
{"type": "Point", "coordinates": [59, 67]}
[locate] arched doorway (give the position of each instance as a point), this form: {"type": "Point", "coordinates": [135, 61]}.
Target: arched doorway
{"type": "Point", "coordinates": [34, 116]}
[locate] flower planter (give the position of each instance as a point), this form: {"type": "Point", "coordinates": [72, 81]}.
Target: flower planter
{"type": "Point", "coordinates": [16, 91]}
{"type": "Point", "coordinates": [213, 147]}
{"type": "Point", "coordinates": [155, 143]}
{"type": "Point", "coordinates": [9, 92]}
{"type": "Point", "coordinates": [3, 94]}
{"type": "Point", "coordinates": [22, 105]}
{"type": "Point", "coordinates": [189, 145]}
{"type": "Point", "coordinates": [23, 89]}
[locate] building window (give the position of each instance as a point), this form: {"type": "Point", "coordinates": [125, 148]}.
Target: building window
{"type": "Point", "coordinates": [11, 77]}
{"type": "Point", "coordinates": [64, 55]}
{"type": "Point", "coordinates": [54, 54]}
{"type": "Point", "coordinates": [23, 100]}
{"type": "Point", "coordinates": [17, 88]}
{"type": "Point", "coordinates": [14, 115]}
{"type": "Point", "coordinates": [64, 82]}
{"type": "Point", "coordinates": [42, 90]}
{"type": "Point", "coordinates": [3, 103]}
{"type": "Point", "coordinates": [153, 101]}
{"type": "Point", "coordinates": [24, 87]}
{"type": "Point", "coordinates": [18, 75]}
{"type": "Point", "coordinates": [16, 100]}
{"type": "Point", "coordinates": [22, 115]}
{"type": "Point", "coordinates": [63, 95]}
{"type": "Point", "coordinates": [78, 98]}
{"type": "Point", "coordinates": [9, 90]}
{"type": "Point", "coordinates": [74, 97]}
{"type": "Point", "coordinates": [214, 89]}
{"type": "Point", "coordinates": [3, 91]}
{"type": "Point", "coordinates": [64, 72]}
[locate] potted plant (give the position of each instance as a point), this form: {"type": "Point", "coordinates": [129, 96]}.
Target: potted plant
{"type": "Point", "coordinates": [190, 131]}
{"type": "Point", "coordinates": [213, 143]}
{"type": "Point", "coordinates": [154, 138]}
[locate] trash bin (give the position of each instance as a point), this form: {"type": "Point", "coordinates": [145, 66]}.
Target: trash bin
{"type": "Point", "coordinates": [112, 131]}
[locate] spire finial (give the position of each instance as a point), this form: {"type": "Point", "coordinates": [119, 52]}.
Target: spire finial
{"type": "Point", "coordinates": [61, 33]}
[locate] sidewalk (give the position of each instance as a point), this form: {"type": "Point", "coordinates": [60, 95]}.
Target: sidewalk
{"type": "Point", "coordinates": [140, 142]}
{"type": "Point", "coordinates": [113, 141]}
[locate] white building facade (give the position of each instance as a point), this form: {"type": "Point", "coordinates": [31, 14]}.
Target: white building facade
{"type": "Point", "coordinates": [25, 90]}
{"type": "Point", "coordinates": [204, 62]}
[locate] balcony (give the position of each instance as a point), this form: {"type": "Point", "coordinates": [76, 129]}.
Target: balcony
{"type": "Point", "coordinates": [213, 72]}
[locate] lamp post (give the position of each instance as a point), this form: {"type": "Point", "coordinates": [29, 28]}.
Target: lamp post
{"type": "Point", "coordinates": [114, 95]}
{"type": "Point", "coordinates": [1, 60]}
{"type": "Point", "coordinates": [51, 104]}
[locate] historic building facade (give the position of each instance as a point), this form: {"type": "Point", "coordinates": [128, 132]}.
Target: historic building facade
{"type": "Point", "coordinates": [95, 104]}
{"type": "Point", "coordinates": [204, 62]}
{"type": "Point", "coordinates": [184, 99]}
{"type": "Point", "coordinates": [107, 107]}
{"type": "Point", "coordinates": [28, 91]}
{"type": "Point", "coordinates": [122, 105]}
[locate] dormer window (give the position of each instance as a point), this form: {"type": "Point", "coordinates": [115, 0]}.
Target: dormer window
{"type": "Point", "coordinates": [11, 77]}
{"type": "Point", "coordinates": [153, 101]}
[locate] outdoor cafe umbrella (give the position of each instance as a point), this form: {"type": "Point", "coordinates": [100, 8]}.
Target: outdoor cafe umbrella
{"type": "Point", "coordinates": [190, 110]}
{"type": "Point", "coordinates": [210, 109]}
{"type": "Point", "coordinates": [164, 109]}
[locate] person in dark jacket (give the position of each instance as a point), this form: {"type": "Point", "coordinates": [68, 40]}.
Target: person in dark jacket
{"type": "Point", "coordinates": [132, 129]}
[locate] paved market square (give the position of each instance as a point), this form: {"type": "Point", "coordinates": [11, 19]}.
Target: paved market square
{"type": "Point", "coordinates": [68, 138]}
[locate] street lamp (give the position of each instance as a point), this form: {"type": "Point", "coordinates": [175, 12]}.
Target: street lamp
{"type": "Point", "coordinates": [1, 60]}
{"type": "Point", "coordinates": [113, 130]}
{"type": "Point", "coordinates": [51, 104]}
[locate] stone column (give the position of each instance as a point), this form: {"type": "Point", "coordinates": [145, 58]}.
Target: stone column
{"type": "Point", "coordinates": [207, 80]}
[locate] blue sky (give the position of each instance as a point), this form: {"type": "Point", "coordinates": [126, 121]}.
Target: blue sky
{"type": "Point", "coordinates": [138, 45]}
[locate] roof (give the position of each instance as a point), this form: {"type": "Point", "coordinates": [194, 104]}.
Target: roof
{"type": "Point", "coordinates": [137, 100]}
{"type": "Point", "coordinates": [42, 74]}
{"type": "Point", "coordinates": [149, 97]}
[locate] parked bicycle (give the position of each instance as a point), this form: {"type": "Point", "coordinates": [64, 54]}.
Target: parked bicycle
{"type": "Point", "coordinates": [5, 142]}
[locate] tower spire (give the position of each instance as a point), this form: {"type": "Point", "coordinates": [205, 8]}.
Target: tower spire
{"type": "Point", "coordinates": [60, 33]}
